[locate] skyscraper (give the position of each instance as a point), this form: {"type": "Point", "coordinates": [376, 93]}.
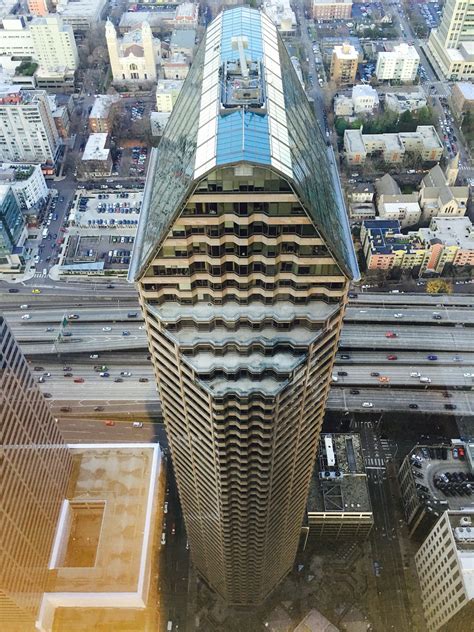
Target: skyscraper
{"type": "Point", "coordinates": [242, 260]}
{"type": "Point", "coordinates": [35, 470]}
{"type": "Point", "coordinates": [452, 43]}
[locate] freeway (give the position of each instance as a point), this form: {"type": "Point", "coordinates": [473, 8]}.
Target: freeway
{"type": "Point", "coordinates": [404, 299]}
{"type": "Point", "coordinates": [395, 315]}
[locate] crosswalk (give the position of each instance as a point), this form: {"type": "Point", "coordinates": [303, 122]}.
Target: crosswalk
{"type": "Point", "coordinates": [373, 461]}
{"type": "Point", "coordinates": [40, 275]}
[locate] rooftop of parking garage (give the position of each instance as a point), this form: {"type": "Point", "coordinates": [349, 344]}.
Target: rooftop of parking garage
{"type": "Point", "coordinates": [346, 492]}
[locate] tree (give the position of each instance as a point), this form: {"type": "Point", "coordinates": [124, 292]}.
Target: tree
{"type": "Point", "coordinates": [439, 286]}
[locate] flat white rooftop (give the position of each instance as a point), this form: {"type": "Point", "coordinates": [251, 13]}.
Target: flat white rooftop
{"type": "Point", "coordinates": [95, 148]}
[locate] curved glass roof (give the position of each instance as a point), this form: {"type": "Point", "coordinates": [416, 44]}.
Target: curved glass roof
{"type": "Point", "coordinates": [242, 103]}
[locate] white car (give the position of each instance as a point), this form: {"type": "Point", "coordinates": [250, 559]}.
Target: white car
{"type": "Point", "coordinates": [468, 374]}
{"type": "Point", "coordinates": [367, 405]}
{"type": "Point", "coordinates": [106, 328]}
{"type": "Point", "coordinates": [398, 315]}
{"type": "Point", "coordinates": [125, 374]}
{"type": "Point", "coordinates": [25, 317]}
{"type": "Point", "coordinates": [334, 378]}
{"type": "Point", "coordinates": [415, 374]}
{"type": "Point", "coordinates": [94, 356]}
{"type": "Point", "coordinates": [163, 539]}
{"type": "Point", "coordinates": [137, 424]}
{"type": "Point", "coordinates": [24, 306]}
{"type": "Point", "coordinates": [166, 508]}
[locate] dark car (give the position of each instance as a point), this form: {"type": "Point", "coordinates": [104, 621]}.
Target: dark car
{"type": "Point", "coordinates": [118, 379]}
{"type": "Point", "coordinates": [143, 379]}
{"type": "Point", "coordinates": [67, 368]}
{"type": "Point", "coordinates": [342, 373]}
{"type": "Point", "coordinates": [13, 290]}
{"type": "Point", "coordinates": [414, 406]}
{"type": "Point", "coordinates": [68, 375]}
{"type": "Point", "coordinates": [47, 395]}
{"type": "Point", "coordinates": [67, 334]}
{"type": "Point", "coordinates": [432, 357]}
{"type": "Point", "coordinates": [375, 374]}
{"type": "Point", "coordinates": [345, 356]}
{"type": "Point", "coordinates": [98, 409]}
{"type": "Point", "coordinates": [110, 286]}
{"type": "Point", "coordinates": [65, 409]}
{"type": "Point", "coordinates": [354, 391]}
{"type": "Point", "coordinates": [38, 368]}
{"type": "Point", "coordinates": [450, 406]}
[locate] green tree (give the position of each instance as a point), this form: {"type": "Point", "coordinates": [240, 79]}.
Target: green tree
{"type": "Point", "coordinates": [406, 122]}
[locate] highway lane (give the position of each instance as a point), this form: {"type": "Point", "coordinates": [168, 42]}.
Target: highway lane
{"type": "Point", "coordinates": [420, 337]}
{"type": "Point", "coordinates": [398, 399]}
{"type": "Point", "coordinates": [405, 299]}
{"type": "Point", "coordinates": [419, 314]}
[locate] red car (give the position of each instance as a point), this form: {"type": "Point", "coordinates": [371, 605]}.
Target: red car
{"type": "Point", "coordinates": [461, 453]}
{"type": "Point", "coordinates": [79, 380]}
{"type": "Point", "coordinates": [109, 422]}
{"type": "Point", "coordinates": [392, 357]}
{"type": "Point", "coordinates": [390, 334]}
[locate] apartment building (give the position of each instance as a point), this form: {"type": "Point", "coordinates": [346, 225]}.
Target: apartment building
{"type": "Point", "coordinates": [101, 116]}
{"type": "Point", "coordinates": [427, 250]}
{"type": "Point", "coordinates": [27, 129]}
{"type": "Point", "coordinates": [393, 204]}
{"type": "Point", "coordinates": [452, 43]}
{"type": "Point", "coordinates": [462, 97]}
{"type": "Point", "coordinates": [40, 8]}
{"type": "Point", "coordinates": [445, 564]}
{"type": "Point", "coordinates": [365, 99]}
{"type": "Point", "coordinates": [344, 62]}
{"type": "Point", "coordinates": [81, 15]}
{"type": "Point", "coordinates": [282, 15]}
{"type": "Point", "coordinates": [96, 161]}
{"type": "Point", "coordinates": [327, 10]}
{"type": "Point", "coordinates": [167, 92]}
{"type": "Point", "coordinates": [400, 102]}
{"type": "Point", "coordinates": [47, 40]}
{"type": "Point", "coordinates": [392, 148]}
{"type": "Point", "coordinates": [27, 182]}
{"type": "Point", "coordinates": [242, 260]}
{"type": "Point", "coordinates": [400, 64]}
{"type": "Point", "coordinates": [34, 483]}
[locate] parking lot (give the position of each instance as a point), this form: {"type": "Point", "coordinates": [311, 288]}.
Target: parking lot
{"type": "Point", "coordinates": [109, 210]}
{"type": "Point", "coordinates": [112, 250]}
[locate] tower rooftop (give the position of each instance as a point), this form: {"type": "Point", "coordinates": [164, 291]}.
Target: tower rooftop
{"type": "Point", "coordinates": [242, 102]}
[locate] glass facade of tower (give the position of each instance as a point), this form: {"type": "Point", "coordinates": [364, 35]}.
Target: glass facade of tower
{"type": "Point", "coordinates": [35, 470]}
{"type": "Point", "coordinates": [12, 222]}
{"type": "Point", "coordinates": [243, 260]}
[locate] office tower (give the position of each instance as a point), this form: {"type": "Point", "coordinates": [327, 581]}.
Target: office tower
{"type": "Point", "coordinates": [27, 129]}
{"type": "Point", "coordinates": [242, 260]}
{"type": "Point", "coordinates": [452, 43]}
{"type": "Point", "coordinates": [444, 563]}
{"type": "Point", "coordinates": [35, 471]}
{"type": "Point", "coordinates": [12, 222]}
